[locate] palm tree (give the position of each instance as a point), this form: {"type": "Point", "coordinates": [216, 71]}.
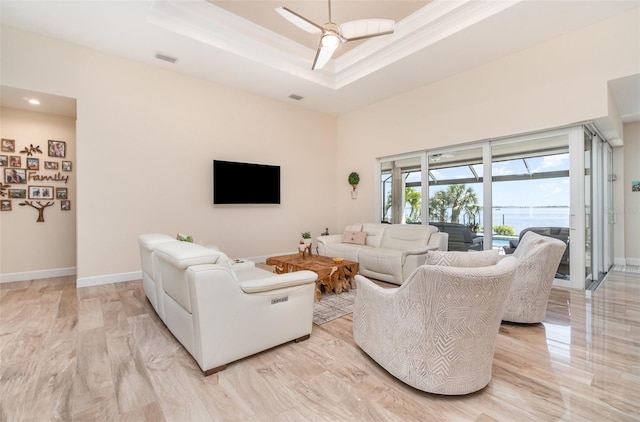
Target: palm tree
{"type": "Point", "coordinates": [438, 205]}
{"type": "Point", "coordinates": [414, 199]}
{"type": "Point", "coordinates": [457, 198]}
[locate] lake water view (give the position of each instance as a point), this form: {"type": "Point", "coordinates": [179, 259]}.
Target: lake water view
{"type": "Point", "coordinates": [521, 218]}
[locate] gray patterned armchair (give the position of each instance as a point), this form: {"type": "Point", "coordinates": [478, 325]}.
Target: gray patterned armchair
{"type": "Point", "coordinates": [538, 257]}
{"type": "Point", "coordinates": [437, 331]}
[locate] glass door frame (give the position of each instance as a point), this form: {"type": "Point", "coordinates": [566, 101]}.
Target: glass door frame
{"type": "Point", "coordinates": [577, 220]}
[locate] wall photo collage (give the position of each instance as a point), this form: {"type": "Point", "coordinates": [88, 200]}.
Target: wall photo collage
{"type": "Point", "coordinates": [34, 181]}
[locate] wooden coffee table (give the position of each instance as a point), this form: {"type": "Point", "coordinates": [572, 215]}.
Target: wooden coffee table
{"type": "Point", "coordinates": [332, 277]}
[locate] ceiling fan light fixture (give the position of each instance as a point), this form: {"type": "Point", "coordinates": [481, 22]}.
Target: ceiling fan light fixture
{"type": "Point", "coordinates": [330, 40]}
{"type": "Point", "coordinates": [333, 34]}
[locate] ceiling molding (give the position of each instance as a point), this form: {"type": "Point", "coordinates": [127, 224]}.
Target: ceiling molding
{"type": "Point", "coordinates": [215, 26]}
{"type": "Point", "coordinates": [430, 24]}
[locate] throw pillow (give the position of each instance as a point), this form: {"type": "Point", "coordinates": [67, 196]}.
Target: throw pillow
{"type": "Point", "coordinates": [354, 237]}
{"type": "Point", "coordinates": [463, 259]}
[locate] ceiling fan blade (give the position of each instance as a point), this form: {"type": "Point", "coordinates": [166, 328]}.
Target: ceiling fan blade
{"type": "Point", "coordinates": [323, 55]}
{"type": "Point", "coordinates": [366, 28]}
{"type": "Point", "coordinates": [299, 21]}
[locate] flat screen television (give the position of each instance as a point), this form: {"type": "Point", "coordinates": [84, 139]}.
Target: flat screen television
{"type": "Point", "coordinates": [245, 183]}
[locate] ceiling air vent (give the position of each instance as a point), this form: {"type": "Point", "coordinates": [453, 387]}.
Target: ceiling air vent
{"type": "Point", "coordinates": [166, 58]}
{"type": "Point", "coordinates": [296, 97]}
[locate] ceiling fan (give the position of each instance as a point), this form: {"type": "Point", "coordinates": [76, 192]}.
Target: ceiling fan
{"type": "Point", "coordinates": [333, 34]}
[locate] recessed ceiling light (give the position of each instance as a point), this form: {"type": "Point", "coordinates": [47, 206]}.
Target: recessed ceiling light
{"type": "Point", "coordinates": [34, 101]}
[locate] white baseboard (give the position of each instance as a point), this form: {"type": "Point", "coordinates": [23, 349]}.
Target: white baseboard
{"type": "Point", "coordinates": [108, 279]}
{"type": "Point", "coordinates": [633, 261]}
{"type": "Point", "coordinates": [262, 258]}
{"type": "Point", "coordinates": [37, 275]}
{"type": "Point", "coordinates": [619, 261]}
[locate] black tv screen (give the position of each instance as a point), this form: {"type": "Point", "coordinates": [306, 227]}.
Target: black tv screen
{"type": "Point", "coordinates": [245, 183]}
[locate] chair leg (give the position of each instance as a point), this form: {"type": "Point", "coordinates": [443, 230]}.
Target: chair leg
{"type": "Point", "coordinates": [303, 338]}
{"type": "Point", "coordinates": [214, 370]}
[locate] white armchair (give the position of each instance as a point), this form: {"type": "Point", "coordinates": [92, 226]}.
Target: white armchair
{"type": "Point", "coordinates": [437, 331]}
{"type": "Point", "coordinates": [221, 314]}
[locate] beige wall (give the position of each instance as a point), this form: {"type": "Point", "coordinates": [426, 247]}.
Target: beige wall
{"type": "Point", "coordinates": [28, 246]}
{"type": "Point", "coordinates": [631, 210]}
{"type": "Point", "coordinates": [146, 139]}
{"type": "Point", "coordinates": [559, 83]}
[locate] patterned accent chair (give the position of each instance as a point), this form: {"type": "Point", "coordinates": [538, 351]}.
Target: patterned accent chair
{"type": "Point", "coordinates": [437, 331]}
{"type": "Point", "coordinates": [538, 257]}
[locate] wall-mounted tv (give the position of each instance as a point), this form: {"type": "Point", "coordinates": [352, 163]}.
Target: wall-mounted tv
{"type": "Point", "coordinates": [245, 183]}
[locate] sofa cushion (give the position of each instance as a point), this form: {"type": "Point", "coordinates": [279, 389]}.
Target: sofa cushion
{"type": "Point", "coordinates": [185, 254]}
{"type": "Point", "coordinates": [357, 238]}
{"type": "Point", "coordinates": [406, 237]}
{"type": "Point", "coordinates": [463, 259]}
{"type": "Point", "coordinates": [348, 251]}
{"type": "Point", "coordinates": [353, 228]}
{"type": "Point", "coordinates": [374, 234]}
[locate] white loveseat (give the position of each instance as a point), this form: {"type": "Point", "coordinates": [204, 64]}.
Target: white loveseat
{"type": "Point", "coordinates": [387, 252]}
{"type": "Point", "coordinates": [221, 310]}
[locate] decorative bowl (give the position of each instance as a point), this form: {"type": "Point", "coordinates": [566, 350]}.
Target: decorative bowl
{"type": "Point", "coordinates": [338, 260]}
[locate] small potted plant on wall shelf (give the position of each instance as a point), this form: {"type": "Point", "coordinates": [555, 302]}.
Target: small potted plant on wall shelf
{"type": "Point", "coordinates": [306, 238]}
{"type": "Point", "coordinates": [354, 179]}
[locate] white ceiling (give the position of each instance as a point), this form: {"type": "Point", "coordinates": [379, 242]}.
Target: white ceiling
{"type": "Point", "coordinates": [247, 45]}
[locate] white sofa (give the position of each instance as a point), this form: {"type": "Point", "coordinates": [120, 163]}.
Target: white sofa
{"type": "Point", "coordinates": [221, 310]}
{"type": "Point", "coordinates": [152, 288]}
{"type": "Point", "coordinates": [387, 252]}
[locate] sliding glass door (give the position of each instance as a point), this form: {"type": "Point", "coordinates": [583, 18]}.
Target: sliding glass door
{"type": "Point", "coordinates": [531, 192]}
{"type": "Point", "coordinates": [598, 192]}
{"type": "Point", "coordinates": [555, 183]}
{"type": "Point", "coordinates": [401, 190]}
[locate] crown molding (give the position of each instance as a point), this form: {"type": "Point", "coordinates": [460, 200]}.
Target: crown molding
{"type": "Point", "coordinates": [215, 26]}
{"type": "Point", "coordinates": [430, 24]}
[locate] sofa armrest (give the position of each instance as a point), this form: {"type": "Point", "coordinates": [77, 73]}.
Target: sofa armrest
{"type": "Point", "coordinates": [323, 241]}
{"type": "Point", "coordinates": [279, 281]}
{"type": "Point", "coordinates": [439, 239]}
{"type": "Point", "coordinates": [332, 238]}
{"type": "Point", "coordinates": [418, 251]}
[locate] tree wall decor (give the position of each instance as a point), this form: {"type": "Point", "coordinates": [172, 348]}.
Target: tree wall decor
{"type": "Point", "coordinates": [40, 207]}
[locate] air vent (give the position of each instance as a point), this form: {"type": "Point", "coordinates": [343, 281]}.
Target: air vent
{"type": "Point", "coordinates": [166, 58]}
{"type": "Point", "coordinates": [296, 97]}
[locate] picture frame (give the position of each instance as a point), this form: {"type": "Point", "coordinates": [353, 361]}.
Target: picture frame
{"type": "Point", "coordinates": [4, 160]}
{"type": "Point", "coordinates": [51, 165]}
{"type": "Point", "coordinates": [8, 145]}
{"type": "Point", "coordinates": [5, 205]}
{"type": "Point", "coordinates": [18, 193]}
{"type": "Point", "coordinates": [41, 192]}
{"type": "Point", "coordinates": [14, 176]}
{"type": "Point", "coordinates": [635, 186]}
{"type": "Point", "coordinates": [66, 166]}
{"type": "Point", "coordinates": [33, 163]}
{"type": "Point", "coordinates": [65, 205]}
{"type": "Point", "coordinates": [15, 161]}
{"type": "Point", "coordinates": [57, 149]}
{"type": "Point", "coordinates": [61, 193]}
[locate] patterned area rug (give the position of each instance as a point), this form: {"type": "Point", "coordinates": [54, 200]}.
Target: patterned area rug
{"type": "Point", "coordinates": [333, 306]}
